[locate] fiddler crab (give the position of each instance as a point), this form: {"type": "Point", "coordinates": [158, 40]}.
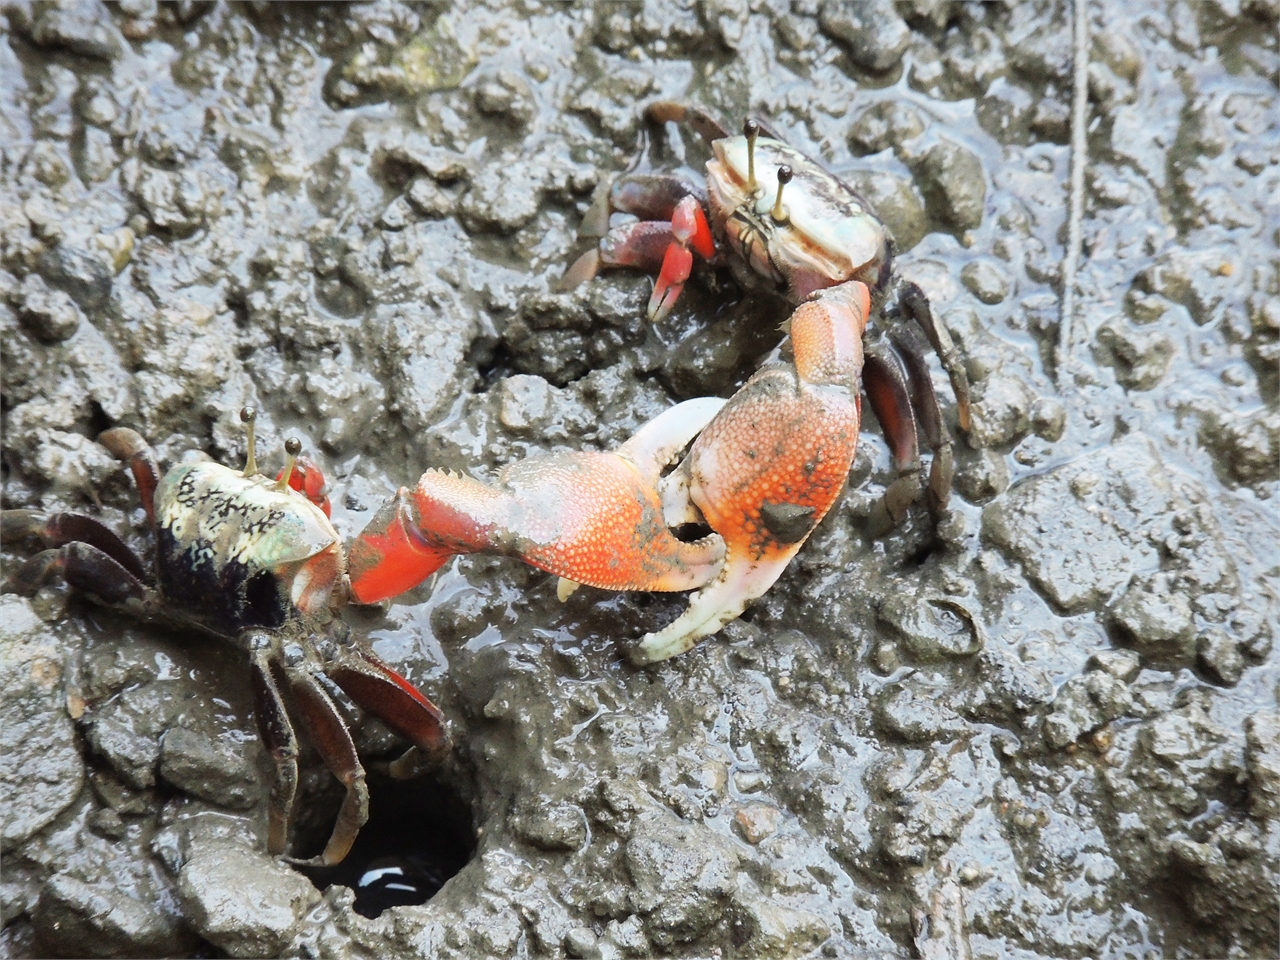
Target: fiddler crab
{"type": "Point", "coordinates": [256, 561]}
{"type": "Point", "coordinates": [765, 466]}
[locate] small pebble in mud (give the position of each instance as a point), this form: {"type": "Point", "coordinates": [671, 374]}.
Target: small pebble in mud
{"type": "Point", "coordinates": [954, 187]}
{"type": "Point", "coordinates": [885, 125]}
{"type": "Point", "coordinates": [243, 902]}
{"type": "Point", "coordinates": [1219, 656]}
{"type": "Point", "coordinates": [1048, 419]}
{"type": "Point", "coordinates": [1140, 358]}
{"type": "Point", "coordinates": [873, 32]}
{"type": "Point", "coordinates": [985, 280]}
{"type": "Point", "coordinates": [984, 478]}
{"type": "Point", "coordinates": [755, 822]}
{"type": "Point", "coordinates": [524, 402]}
{"type": "Point", "coordinates": [51, 315]}
{"type": "Point", "coordinates": [428, 199]}
{"type": "Point", "coordinates": [1121, 664]}
{"type": "Point", "coordinates": [1155, 618]}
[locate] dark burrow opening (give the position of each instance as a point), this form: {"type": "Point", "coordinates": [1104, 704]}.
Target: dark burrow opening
{"type": "Point", "coordinates": [420, 833]}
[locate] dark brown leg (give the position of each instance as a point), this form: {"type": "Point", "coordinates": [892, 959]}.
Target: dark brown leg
{"type": "Point", "coordinates": [887, 383]}
{"type": "Point", "coordinates": [57, 529]}
{"type": "Point", "coordinates": [928, 415]}
{"type": "Point", "coordinates": [128, 445]}
{"type": "Point", "coordinates": [916, 305]}
{"type": "Point", "coordinates": [327, 731]}
{"type": "Point", "coordinates": [279, 739]}
{"type": "Point", "coordinates": [82, 567]}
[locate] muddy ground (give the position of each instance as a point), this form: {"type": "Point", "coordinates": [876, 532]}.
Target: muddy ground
{"type": "Point", "coordinates": [1044, 727]}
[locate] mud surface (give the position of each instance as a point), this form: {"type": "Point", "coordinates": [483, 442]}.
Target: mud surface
{"type": "Point", "coordinates": [1046, 728]}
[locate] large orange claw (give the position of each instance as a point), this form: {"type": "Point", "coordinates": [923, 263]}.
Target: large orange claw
{"type": "Point", "coordinates": [767, 469]}
{"type": "Point", "coordinates": [593, 518]}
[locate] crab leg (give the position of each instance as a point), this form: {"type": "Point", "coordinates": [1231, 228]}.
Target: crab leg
{"type": "Point", "coordinates": [689, 228]}
{"type": "Point", "coordinates": [886, 380]}
{"type": "Point", "coordinates": [332, 739]}
{"type": "Point", "coordinates": [673, 218]}
{"type": "Point", "coordinates": [279, 739]}
{"type": "Point", "coordinates": [57, 529]}
{"type": "Point", "coordinates": [128, 445]}
{"type": "Point", "coordinates": [374, 686]}
{"type": "Point", "coordinates": [928, 415]}
{"type": "Point", "coordinates": [773, 462]}
{"type": "Point", "coordinates": [699, 121]}
{"type": "Point", "coordinates": [82, 567]}
{"type": "Point", "coordinates": [593, 518]}
{"type": "Point", "coordinates": [916, 304]}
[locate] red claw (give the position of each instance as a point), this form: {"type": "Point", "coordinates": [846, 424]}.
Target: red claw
{"type": "Point", "coordinates": [689, 227]}
{"type": "Point", "coordinates": [390, 556]}
{"type": "Point", "coordinates": [307, 479]}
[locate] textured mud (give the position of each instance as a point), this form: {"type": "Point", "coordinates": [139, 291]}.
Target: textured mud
{"type": "Point", "coordinates": [1047, 728]}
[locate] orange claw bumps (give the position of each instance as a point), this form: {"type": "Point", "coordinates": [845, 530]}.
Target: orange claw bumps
{"type": "Point", "coordinates": [764, 470]}
{"type": "Point", "coordinates": [767, 469]}
{"type": "Point", "coordinates": [589, 517]}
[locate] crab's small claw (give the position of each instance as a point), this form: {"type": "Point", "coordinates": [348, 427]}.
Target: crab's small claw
{"type": "Point", "coordinates": [593, 518]}
{"type": "Point", "coordinates": [767, 469]}
{"type": "Point", "coordinates": [689, 228]}
{"type": "Point", "coordinates": [307, 479]}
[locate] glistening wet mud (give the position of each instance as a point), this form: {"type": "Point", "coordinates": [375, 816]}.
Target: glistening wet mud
{"type": "Point", "coordinates": [1044, 727]}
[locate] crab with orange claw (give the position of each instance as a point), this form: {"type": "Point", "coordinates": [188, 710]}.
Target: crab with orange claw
{"type": "Point", "coordinates": [763, 469]}
{"type": "Point", "coordinates": [782, 223]}
{"type": "Point", "coordinates": [252, 560]}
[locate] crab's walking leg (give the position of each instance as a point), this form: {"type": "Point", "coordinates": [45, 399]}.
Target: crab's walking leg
{"type": "Point", "coordinates": [375, 687]}
{"type": "Point", "coordinates": [58, 529]}
{"type": "Point", "coordinates": [332, 739]}
{"type": "Point", "coordinates": [280, 742]}
{"type": "Point", "coordinates": [128, 445]}
{"type": "Point", "coordinates": [699, 121]}
{"type": "Point", "coordinates": [928, 415]}
{"type": "Point", "coordinates": [82, 567]}
{"type": "Point", "coordinates": [885, 379]}
{"type": "Point", "coordinates": [916, 304]}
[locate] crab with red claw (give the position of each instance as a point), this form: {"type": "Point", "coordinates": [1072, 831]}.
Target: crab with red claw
{"type": "Point", "coordinates": [763, 469]}
{"type": "Point", "coordinates": [255, 561]}
{"type": "Point", "coordinates": [783, 224]}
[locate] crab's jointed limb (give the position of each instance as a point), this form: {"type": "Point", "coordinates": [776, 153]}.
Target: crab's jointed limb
{"type": "Point", "coordinates": [589, 517]}
{"type": "Point", "coordinates": [772, 463]}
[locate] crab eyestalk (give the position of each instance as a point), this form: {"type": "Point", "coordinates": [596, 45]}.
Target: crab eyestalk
{"type": "Point", "coordinates": [292, 447]}
{"type": "Point", "coordinates": [247, 416]}
{"type": "Point", "coordinates": [780, 213]}
{"type": "Point", "coordinates": [751, 130]}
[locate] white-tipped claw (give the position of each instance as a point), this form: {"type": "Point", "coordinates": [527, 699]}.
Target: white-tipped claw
{"type": "Point", "coordinates": [740, 581]}
{"type": "Point", "coordinates": [566, 588]}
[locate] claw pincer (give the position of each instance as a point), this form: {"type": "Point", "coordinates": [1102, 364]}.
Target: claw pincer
{"type": "Point", "coordinates": [767, 469]}
{"type": "Point", "coordinates": [590, 517]}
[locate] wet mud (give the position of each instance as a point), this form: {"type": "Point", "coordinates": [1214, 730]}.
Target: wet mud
{"type": "Point", "coordinates": [1045, 726]}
